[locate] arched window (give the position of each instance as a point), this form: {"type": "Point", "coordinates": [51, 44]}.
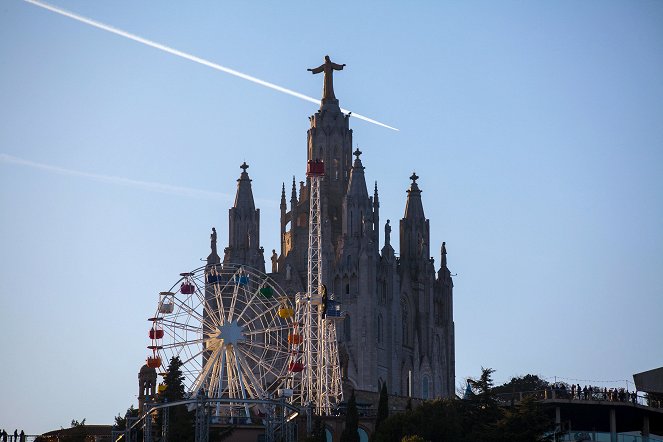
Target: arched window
{"type": "Point", "coordinates": [425, 388]}
{"type": "Point", "coordinates": [347, 328]}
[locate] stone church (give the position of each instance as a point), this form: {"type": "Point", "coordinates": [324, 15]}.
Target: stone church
{"type": "Point", "coordinates": [398, 326]}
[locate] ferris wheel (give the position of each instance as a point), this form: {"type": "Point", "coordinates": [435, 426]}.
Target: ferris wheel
{"type": "Point", "coordinates": [229, 325]}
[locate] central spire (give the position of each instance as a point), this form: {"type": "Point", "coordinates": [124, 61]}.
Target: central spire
{"type": "Point", "coordinates": [244, 195]}
{"type": "Point", "coordinates": [328, 67]}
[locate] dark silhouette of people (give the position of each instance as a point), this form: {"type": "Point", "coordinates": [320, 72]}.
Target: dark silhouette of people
{"type": "Point", "coordinates": [15, 435]}
{"type": "Point", "coordinates": [22, 436]}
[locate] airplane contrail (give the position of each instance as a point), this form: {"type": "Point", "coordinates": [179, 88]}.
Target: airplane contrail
{"type": "Point", "coordinates": [149, 186]}
{"type": "Point", "coordinates": [193, 58]}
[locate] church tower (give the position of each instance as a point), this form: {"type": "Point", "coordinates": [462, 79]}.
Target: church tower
{"type": "Point", "coordinates": [330, 139]}
{"type": "Point", "coordinates": [244, 227]}
{"type": "Point", "coordinates": [398, 325]}
{"type": "Point", "coordinates": [147, 386]}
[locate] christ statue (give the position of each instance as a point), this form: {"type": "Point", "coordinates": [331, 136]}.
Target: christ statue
{"type": "Point", "coordinates": [328, 67]}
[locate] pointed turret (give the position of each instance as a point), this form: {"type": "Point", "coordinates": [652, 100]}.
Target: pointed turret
{"type": "Point", "coordinates": [283, 205]}
{"type": "Point", "coordinates": [244, 227]}
{"type": "Point", "coordinates": [357, 208]}
{"type": "Point", "coordinates": [414, 229]}
{"type": "Point", "coordinates": [413, 207]}
{"type": "Point", "coordinates": [284, 221]}
{"type": "Point", "coordinates": [244, 195]}
{"type": "Point", "coordinates": [293, 194]}
{"type": "Point", "coordinates": [357, 184]}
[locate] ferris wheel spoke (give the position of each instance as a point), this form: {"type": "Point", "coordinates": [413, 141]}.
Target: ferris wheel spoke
{"type": "Point", "coordinates": [261, 363]}
{"type": "Point", "coordinates": [180, 326]}
{"type": "Point", "coordinates": [258, 316]}
{"type": "Point", "coordinates": [252, 384]}
{"type": "Point", "coordinates": [278, 328]}
{"type": "Point", "coordinates": [220, 370]}
{"type": "Point", "coordinates": [265, 347]}
{"type": "Point", "coordinates": [189, 311]}
{"type": "Point", "coordinates": [192, 357]}
{"type": "Point", "coordinates": [231, 369]}
{"type": "Point", "coordinates": [264, 321]}
{"type": "Point", "coordinates": [248, 304]}
{"type": "Point", "coordinates": [204, 374]}
{"type": "Point", "coordinates": [183, 337]}
{"type": "Point", "coordinates": [214, 380]}
{"type": "Point", "coordinates": [216, 295]}
{"type": "Point", "coordinates": [231, 310]}
{"type": "Point", "coordinates": [245, 387]}
{"type": "Point", "coordinates": [181, 344]}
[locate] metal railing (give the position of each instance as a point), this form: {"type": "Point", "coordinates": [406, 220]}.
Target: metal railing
{"type": "Point", "coordinates": [595, 436]}
{"type": "Point", "coordinates": [594, 395]}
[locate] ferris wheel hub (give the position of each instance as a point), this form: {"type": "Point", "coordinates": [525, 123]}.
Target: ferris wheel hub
{"type": "Point", "coordinates": [230, 333]}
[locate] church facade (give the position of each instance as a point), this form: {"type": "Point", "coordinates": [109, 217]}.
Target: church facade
{"type": "Point", "coordinates": [398, 326]}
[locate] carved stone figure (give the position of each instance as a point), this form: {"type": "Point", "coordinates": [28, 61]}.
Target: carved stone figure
{"type": "Point", "coordinates": [328, 67]}
{"type": "Point", "coordinates": [387, 234]}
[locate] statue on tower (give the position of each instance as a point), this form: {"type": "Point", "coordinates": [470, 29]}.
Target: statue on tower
{"type": "Point", "coordinates": [328, 67]}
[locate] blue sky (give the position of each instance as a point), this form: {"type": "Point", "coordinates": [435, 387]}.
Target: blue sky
{"type": "Point", "coordinates": [536, 129]}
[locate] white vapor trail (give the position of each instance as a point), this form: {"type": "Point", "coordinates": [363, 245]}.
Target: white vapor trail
{"type": "Point", "coordinates": [143, 185]}
{"type": "Point", "coordinates": [193, 58]}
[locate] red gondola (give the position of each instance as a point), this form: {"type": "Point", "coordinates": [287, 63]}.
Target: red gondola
{"type": "Point", "coordinates": [315, 168]}
{"type": "Point", "coordinates": [186, 288]}
{"type": "Point", "coordinates": [156, 333]}
{"type": "Point", "coordinates": [296, 367]}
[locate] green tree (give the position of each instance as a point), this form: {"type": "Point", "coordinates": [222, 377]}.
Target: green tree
{"type": "Point", "coordinates": [432, 420]}
{"type": "Point", "coordinates": [526, 422]}
{"type": "Point", "coordinates": [350, 432]}
{"type": "Point", "coordinates": [181, 420]}
{"type": "Point", "coordinates": [383, 407]}
{"type": "Point", "coordinates": [318, 434]}
{"type": "Point", "coordinates": [121, 420]}
{"type": "Point", "coordinates": [479, 418]}
{"type": "Point", "coordinates": [514, 389]}
{"type": "Point", "coordinates": [522, 384]}
{"type": "Point", "coordinates": [483, 409]}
